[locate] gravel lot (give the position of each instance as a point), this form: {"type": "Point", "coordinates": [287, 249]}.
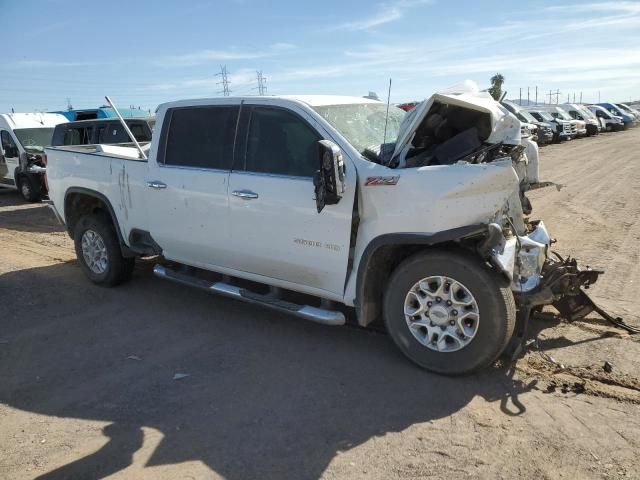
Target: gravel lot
{"type": "Point", "coordinates": [87, 385]}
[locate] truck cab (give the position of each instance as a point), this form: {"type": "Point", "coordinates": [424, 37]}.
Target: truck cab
{"type": "Point", "coordinates": [22, 161]}
{"type": "Point", "coordinates": [578, 112]}
{"type": "Point", "coordinates": [608, 121]}
{"type": "Point", "coordinates": [627, 118]}
{"type": "Point", "coordinates": [564, 130]}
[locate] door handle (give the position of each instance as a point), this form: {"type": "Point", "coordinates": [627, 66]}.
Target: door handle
{"type": "Point", "coordinates": [244, 194]}
{"type": "Point", "coordinates": [156, 184]}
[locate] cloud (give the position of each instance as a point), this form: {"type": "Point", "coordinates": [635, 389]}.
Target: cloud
{"type": "Point", "coordinates": [628, 7]}
{"type": "Point", "coordinates": [49, 64]}
{"type": "Point", "coordinates": [208, 56]}
{"type": "Point", "coordinates": [387, 13]}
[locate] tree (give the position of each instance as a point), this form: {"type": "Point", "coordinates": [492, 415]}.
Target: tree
{"type": "Point", "coordinates": [496, 86]}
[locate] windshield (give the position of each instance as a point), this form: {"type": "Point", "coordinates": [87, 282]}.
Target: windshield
{"type": "Point", "coordinates": [34, 139]}
{"type": "Point", "coordinates": [525, 116]}
{"type": "Point", "coordinates": [363, 124]}
{"type": "Point", "coordinates": [546, 116]}
{"type": "Point", "coordinates": [559, 113]}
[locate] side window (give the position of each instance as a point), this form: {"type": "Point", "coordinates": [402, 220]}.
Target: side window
{"type": "Point", "coordinates": [8, 145]}
{"type": "Point", "coordinates": [77, 136]}
{"type": "Point", "coordinates": [115, 133]}
{"type": "Point", "coordinates": [280, 142]}
{"type": "Point", "coordinates": [201, 137]}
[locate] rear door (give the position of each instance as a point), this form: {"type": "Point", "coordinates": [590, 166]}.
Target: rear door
{"type": "Point", "coordinates": [276, 231]}
{"type": "Point", "coordinates": [187, 182]}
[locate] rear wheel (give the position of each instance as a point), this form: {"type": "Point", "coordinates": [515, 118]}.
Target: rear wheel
{"type": "Point", "coordinates": [98, 251]}
{"type": "Point", "coordinates": [28, 190]}
{"type": "Point", "coordinates": [448, 312]}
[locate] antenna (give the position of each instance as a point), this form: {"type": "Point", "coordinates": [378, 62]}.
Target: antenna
{"type": "Point", "coordinates": [225, 80]}
{"type": "Point", "coordinates": [386, 120]}
{"type": "Point", "coordinates": [126, 127]}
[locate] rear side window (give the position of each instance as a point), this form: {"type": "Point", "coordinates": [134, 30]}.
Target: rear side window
{"type": "Point", "coordinates": [201, 137]}
{"type": "Point", "coordinates": [140, 131]}
{"type": "Point", "coordinates": [280, 142]}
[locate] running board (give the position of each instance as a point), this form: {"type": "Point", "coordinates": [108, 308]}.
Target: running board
{"type": "Point", "coordinates": [318, 315]}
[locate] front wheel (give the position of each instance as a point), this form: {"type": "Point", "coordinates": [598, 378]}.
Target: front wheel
{"type": "Point", "coordinates": [449, 312]}
{"type": "Point", "coordinates": [28, 190]}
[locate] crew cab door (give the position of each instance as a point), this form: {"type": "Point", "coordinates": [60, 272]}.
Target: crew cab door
{"type": "Point", "coordinates": [276, 230]}
{"type": "Point", "coordinates": [187, 184]}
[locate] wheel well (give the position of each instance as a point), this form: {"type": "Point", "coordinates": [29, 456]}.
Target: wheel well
{"type": "Point", "coordinates": [383, 254]}
{"type": "Point", "coordinates": [76, 205]}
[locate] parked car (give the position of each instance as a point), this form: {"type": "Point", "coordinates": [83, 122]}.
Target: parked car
{"type": "Point", "coordinates": [579, 128]}
{"type": "Point", "coordinates": [564, 130]}
{"type": "Point", "coordinates": [417, 220]}
{"type": "Point", "coordinates": [22, 162]}
{"type": "Point", "coordinates": [627, 109]}
{"type": "Point", "coordinates": [627, 119]}
{"type": "Point", "coordinates": [578, 112]}
{"type": "Point", "coordinates": [104, 131]}
{"type": "Point", "coordinates": [545, 130]}
{"type": "Point", "coordinates": [101, 112]}
{"type": "Point", "coordinates": [610, 122]}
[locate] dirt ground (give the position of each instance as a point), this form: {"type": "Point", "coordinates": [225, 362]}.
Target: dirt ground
{"type": "Point", "coordinates": [87, 386]}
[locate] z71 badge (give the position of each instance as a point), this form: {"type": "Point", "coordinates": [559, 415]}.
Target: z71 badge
{"type": "Point", "coordinates": [381, 181]}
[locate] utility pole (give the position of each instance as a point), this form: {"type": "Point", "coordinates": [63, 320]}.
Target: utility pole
{"type": "Point", "coordinates": [581, 97]}
{"type": "Point", "coordinates": [262, 88]}
{"type": "Point", "coordinates": [520, 101]}
{"type": "Point", "coordinates": [69, 106]}
{"type": "Point", "coordinates": [598, 96]}
{"type": "Point", "coordinates": [536, 94]}
{"type": "Point", "coordinates": [225, 81]}
{"type": "Point", "coordinates": [528, 102]}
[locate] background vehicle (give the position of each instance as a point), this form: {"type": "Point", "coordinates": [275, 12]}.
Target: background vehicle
{"type": "Point", "coordinates": [545, 130]}
{"type": "Point", "coordinates": [105, 131]}
{"type": "Point", "coordinates": [627, 109]}
{"type": "Point", "coordinates": [101, 112]}
{"type": "Point", "coordinates": [627, 119]}
{"type": "Point", "coordinates": [578, 127]}
{"type": "Point", "coordinates": [228, 188]}
{"type": "Point", "coordinates": [22, 162]}
{"type": "Point", "coordinates": [563, 128]}
{"type": "Point", "coordinates": [578, 112]}
{"type": "Point", "coordinates": [610, 122]}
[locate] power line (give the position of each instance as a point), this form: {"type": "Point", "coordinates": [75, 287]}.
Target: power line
{"type": "Point", "coordinates": [225, 81]}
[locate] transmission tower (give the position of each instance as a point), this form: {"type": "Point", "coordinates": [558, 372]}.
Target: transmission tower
{"type": "Point", "coordinates": [262, 88]}
{"type": "Point", "coordinates": [225, 81]}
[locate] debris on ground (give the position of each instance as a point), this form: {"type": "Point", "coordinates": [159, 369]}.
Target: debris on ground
{"type": "Point", "coordinates": [180, 376]}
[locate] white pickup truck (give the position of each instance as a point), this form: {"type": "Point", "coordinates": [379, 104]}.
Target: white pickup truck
{"type": "Point", "coordinates": [300, 204]}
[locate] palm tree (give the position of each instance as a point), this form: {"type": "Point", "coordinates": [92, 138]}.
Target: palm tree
{"type": "Point", "coordinates": [496, 86]}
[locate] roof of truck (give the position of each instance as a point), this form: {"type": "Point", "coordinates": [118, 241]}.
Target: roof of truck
{"type": "Point", "coordinates": [32, 120]}
{"type": "Point", "coordinates": [311, 100]}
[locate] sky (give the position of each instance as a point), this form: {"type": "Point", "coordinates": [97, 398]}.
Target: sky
{"type": "Point", "coordinates": [145, 53]}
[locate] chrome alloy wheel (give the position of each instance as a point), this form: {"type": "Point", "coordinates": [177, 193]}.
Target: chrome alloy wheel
{"type": "Point", "coordinates": [442, 314]}
{"type": "Point", "coordinates": [94, 252]}
{"type": "Point", "coordinates": [25, 188]}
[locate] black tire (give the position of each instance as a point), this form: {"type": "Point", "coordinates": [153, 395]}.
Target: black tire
{"type": "Point", "coordinates": [496, 307]}
{"type": "Point", "coordinates": [118, 268]}
{"type": "Point", "coordinates": [28, 190]}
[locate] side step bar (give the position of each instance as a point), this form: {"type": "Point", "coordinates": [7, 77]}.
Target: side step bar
{"type": "Point", "coordinates": [319, 315]}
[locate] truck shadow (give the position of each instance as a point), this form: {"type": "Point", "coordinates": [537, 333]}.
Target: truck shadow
{"type": "Point", "coordinates": [16, 214]}
{"type": "Point", "coordinates": [266, 396]}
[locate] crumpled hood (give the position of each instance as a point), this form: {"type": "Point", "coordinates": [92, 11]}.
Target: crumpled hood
{"type": "Point", "coordinates": [505, 127]}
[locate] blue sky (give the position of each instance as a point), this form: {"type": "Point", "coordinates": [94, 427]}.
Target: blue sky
{"type": "Point", "coordinates": [145, 53]}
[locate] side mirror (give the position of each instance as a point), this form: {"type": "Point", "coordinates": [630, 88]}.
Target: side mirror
{"type": "Point", "coordinates": [328, 181]}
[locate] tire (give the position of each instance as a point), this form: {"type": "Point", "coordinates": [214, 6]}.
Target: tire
{"type": "Point", "coordinates": [491, 327]}
{"type": "Point", "coordinates": [112, 268]}
{"type": "Point", "coordinates": [28, 190]}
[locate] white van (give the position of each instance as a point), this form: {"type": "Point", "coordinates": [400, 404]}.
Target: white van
{"type": "Point", "coordinates": [22, 161]}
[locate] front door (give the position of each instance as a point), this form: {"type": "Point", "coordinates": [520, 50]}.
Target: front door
{"type": "Point", "coordinates": [187, 201]}
{"type": "Point", "coordinates": [10, 158]}
{"type": "Point", "coordinates": [276, 230]}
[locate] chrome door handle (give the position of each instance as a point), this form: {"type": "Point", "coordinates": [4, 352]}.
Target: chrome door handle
{"type": "Point", "coordinates": [156, 184]}
{"type": "Point", "coordinates": [244, 194]}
